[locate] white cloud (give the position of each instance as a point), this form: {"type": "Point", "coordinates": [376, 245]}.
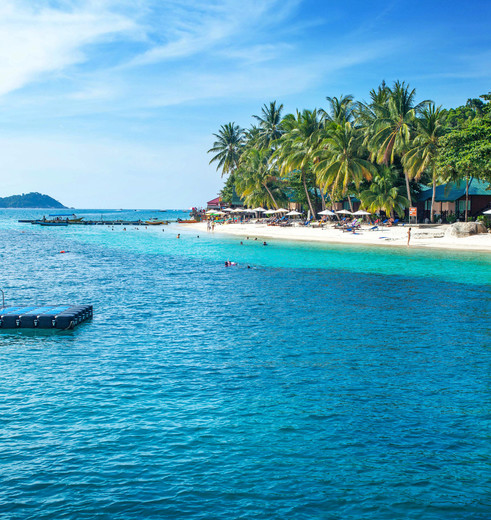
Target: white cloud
{"type": "Point", "coordinates": [35, 41]}
{"type": "Point", "coordinates": [188, 28]}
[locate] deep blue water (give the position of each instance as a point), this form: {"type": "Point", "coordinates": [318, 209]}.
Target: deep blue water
{"type": "Point", "coordinates": [327, 382]}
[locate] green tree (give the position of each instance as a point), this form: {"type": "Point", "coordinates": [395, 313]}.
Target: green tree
{"type": "Point", "coordinates": [256, 181]}
{"type": "Point", "coordinates": [425, 147]}
{"type": "Point", "coordinates": [340, 110]}
{"type": "Point", "coordinates": [294, 155]}
{"type": "Point", "coordinates": [227, 147]}
{"type": "Point", "coordinates": [340, 161]}
{"type": "Point", "coordinates": [383, 195]}
{"type": "Point", "coordinates": [466, 149]}
{"type": "Point", "coordinates": [270, 127]}
{"type": "Point", "coordinates": [392, 127]}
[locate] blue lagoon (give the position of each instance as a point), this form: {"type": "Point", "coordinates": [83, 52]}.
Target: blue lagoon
{"type": "Point", "coordinates": [324, 382]}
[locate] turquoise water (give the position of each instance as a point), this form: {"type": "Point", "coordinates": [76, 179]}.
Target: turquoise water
{"type": "Point", "coordinates": [324, 382]}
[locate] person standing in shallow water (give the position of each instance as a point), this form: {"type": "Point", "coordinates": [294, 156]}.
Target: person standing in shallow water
{"type": "Point", "coordinates": [408, 236]}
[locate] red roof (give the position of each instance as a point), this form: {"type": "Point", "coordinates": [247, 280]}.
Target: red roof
{"type": "Point", "coordinates": [215, 202]}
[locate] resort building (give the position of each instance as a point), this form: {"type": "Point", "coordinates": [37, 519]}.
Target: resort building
{"type": "Point", "coordinates": [450, 200]}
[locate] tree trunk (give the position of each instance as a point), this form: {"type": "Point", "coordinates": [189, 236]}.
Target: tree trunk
{"type": "Point", "coordinates": [350, 204]}
{"type": "Point", "coordinates": [333, 202]}
{"type": "Point", "coordinates": [432, 215]}
{"type": "Point", "coordinates": [323, 201]}
{"type": "Point", "coordinates": [408, 189]}
{"type": "Point", "coordinates": [307, 194]}
{"type": "Point", "coordinates": [271, 195]}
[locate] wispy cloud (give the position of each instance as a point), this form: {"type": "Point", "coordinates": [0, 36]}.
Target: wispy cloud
{"type": "Point", "coordinates": [187, 28]}
{"type": "Point", "coordinates": [37, 41]}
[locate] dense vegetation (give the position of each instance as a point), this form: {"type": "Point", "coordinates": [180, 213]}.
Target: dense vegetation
{"type": "Point", "coordinates": [30, 200]}
{"type": "Point", "coordinates": [379, 151]}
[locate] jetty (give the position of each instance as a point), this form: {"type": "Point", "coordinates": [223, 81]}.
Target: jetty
{"type": "Point", "coordinates": [80, 222]}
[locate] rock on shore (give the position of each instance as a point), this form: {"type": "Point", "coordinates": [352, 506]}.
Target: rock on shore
{"type": "Point", "coordinates": [465, 229]}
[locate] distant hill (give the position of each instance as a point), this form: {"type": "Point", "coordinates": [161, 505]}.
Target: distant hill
{"type": "Point", "coordinates": [30, 200]}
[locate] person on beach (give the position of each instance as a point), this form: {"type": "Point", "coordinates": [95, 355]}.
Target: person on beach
{"type": "Point", "coordinates": [213, 225]}
{"type": "Point", "coordinates": [408, 236]}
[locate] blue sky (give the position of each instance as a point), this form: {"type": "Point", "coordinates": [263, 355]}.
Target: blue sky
{"type": "Point", "coordinates": [113, 103]}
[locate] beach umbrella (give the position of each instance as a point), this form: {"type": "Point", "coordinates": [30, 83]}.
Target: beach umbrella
{"type": "Point", "coordinates": [281, 210]}
{"type": "Point", "coordinates": [488, 212]}
{"type": "Point", "coordinates": [211, 212]}
{"type": "Point", "coordinates": [361, 212]}
{"type": "Point", "coordinates": [220, 213]}
{"type": "Point", "coordinates": [327, 212]}
{"type": "Point", "coordinates": [293, 213]}
{"type": "Point", "coordinates": [270, 211]}
{"type": "Point", "coordinates": [261, 210]}
{"type": "Point", "coordinates": [344, 212]}
{"type": "Point", "coordinates": [227, 209]}
{"type": "Point", "coordinates": [237, 210]}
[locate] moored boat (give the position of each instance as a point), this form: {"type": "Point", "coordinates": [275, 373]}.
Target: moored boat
{"type": "Point", "coordinates": [52, 222]}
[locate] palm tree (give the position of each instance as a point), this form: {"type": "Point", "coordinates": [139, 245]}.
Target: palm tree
{"type": "Point", "coordinates": [340, 159]}
{"type": "Point", "coordinates": [340, 109]}
{"type": "Point", "coordinates": [256, 181]}
{"type": "Point", "coordinates": [297, 145]}
{"type": "Point", "coordinates": [425, 147]}
{"type": "Point", "coordinates": [383, 195]}
{"type": "Point", "coordinates": [227, 147]}
{"type": "Point", "coordinates": [270, 128]}
{"type": "Point", "coordinates": [367, 113]}
{"type": "Point", "coordinates": [393, 124]}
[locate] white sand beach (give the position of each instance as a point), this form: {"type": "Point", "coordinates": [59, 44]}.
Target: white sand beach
{"type": "Point", "coordinates": [424, 236]}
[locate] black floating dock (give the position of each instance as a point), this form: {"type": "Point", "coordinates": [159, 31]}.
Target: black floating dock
{"type": "Point", "coordinates": [63, 317]}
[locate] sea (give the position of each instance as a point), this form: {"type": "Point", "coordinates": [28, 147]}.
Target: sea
{"type": "Point", "coordinates": [309, 381]}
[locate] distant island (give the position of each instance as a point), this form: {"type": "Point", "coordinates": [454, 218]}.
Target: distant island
{"type": "Point", "coordinates": [30, 200]}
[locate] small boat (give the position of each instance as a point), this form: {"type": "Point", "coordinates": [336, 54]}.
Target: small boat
{"type": "Point", "coordinates": [155, 222]}
{"type": "Point", "coordinates": [179, 221]}
{"type": "Point", "coordinates": [52, 223]}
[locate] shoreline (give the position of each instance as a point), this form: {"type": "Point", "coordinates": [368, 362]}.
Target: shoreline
{"type": "Point", "coordinates": [433, 238]}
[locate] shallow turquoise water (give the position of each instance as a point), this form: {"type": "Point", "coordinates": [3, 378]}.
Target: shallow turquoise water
{"type": "Point", "coordinates": [325, 382]}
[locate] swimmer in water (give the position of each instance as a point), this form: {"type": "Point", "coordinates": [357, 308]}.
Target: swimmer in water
{"type": "Point", "coordinates": [179, 235]}
{"type": "Point", "coordinates": [265, 243]}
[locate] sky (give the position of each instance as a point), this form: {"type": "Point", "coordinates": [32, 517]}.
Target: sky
{"type": "Point", "coordinates": [114, 103]}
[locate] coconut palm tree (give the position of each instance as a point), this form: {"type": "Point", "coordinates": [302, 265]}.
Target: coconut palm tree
{"type": "Point", "coordinates": [256, 180]}
{"type": "Point", "coordinates": [340, 161]}
{"type": "Point", "coordinates": [340, 109]}
{"type": "Point", "coordinates": [383, 195]}
{"type": "Point", "coordinates": [425, 147]}
{"type": "Point", "coordinates": [270, 128]}
{"type": "Point", "coordinates": [391, 133]}
{"type": "Point", "coordinates": [227, 147]}
{"type": "Point", "coordinates": [297, 145]}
